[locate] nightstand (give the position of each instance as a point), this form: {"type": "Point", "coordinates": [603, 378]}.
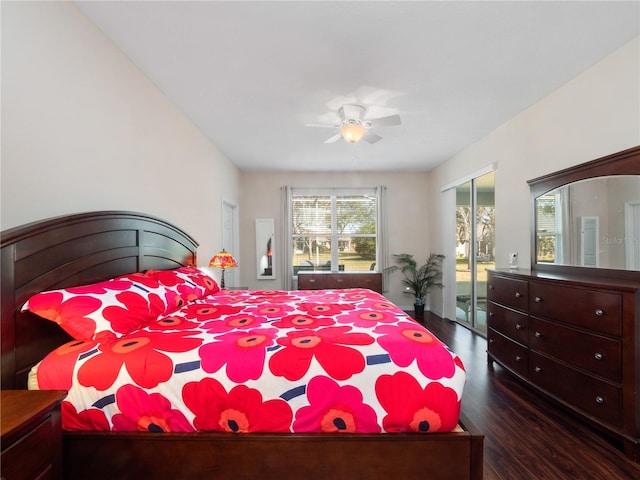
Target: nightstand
{"type": "Point", "coordinates": [31, 434]}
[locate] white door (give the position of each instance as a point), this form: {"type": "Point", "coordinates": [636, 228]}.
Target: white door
{"type": "Point", "coordinates": [230, 240]}
{"type": "Point", "coordinates": [589, 233]}
{"type": "Point", "coordinates": [632, 235]}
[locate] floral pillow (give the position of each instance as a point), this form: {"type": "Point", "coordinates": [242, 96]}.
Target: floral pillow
{"type": "Point", "coordinates": [189, 282]}
{"type": "Point", "coordinates": [121, 305]}
{"type": "Point", "coordinates": [91, 312]}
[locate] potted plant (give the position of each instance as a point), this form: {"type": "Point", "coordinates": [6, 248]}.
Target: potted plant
{"type": "Point", "coordinates": [418, 279]}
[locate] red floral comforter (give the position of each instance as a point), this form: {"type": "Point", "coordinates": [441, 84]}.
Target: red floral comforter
{"type": "Point", "coordinates": [264, 361]}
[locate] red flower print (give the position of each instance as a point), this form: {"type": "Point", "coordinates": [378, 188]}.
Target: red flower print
{"type": "Point", "coordinates": [381, 305]}
{"type": "Point", "coordinates": [324, 309]}
{"type": "Point", "coordinates": [144, 412]}
{"type": "Point", "coordinates": [270, 310]}
{"type": "Point", "coordinates": [303, 321]}
{"type": "Point", "coordinates": [142, 279]}
{"type": "Point", "coordinates": [102, 287]}
{"type": "Point", "coordinates": [137, 352]}
{"type": "Point", "coordinates": [206, 311]}
{"type": "Point", "coordinates": [356, 294]}
{"type": "Point", "coordinates": [174, 301]}
{"type": "Point", "coordinates": [136, 313]}
{"type": "Point", "coordinates": [320, 297]}
{"type": "Point", "coordinates": [189, 293]}
{"type": "Point", "coordinates": [168, 278]}
{"type": "Point", "coordinates": [173, 322]}
{"type": "Point", "coordinates": [335, 409]}
{"type": "Point", "coordinates": [269, 297]}
{"type": "Point", "coordinates": [55, 372]}
{"type": "Point", "coordinates": [367, 318]}
{"type": "Point", "coordinates": [91, 419]}
{"type": "Point", "coordinates": [241, 321]}
{"type": "Point", "coordinates": [432, 356]}
{"type": "Point", "coordinates": [193, 275]}
{"type": "Point", "coordinates": [326, 345]}
{"type": "Point", "coordinates": [412, 409]}
{"type": "Point", "coordinates": [239, 411]}
{"type": "Point", "coordinates": [243, 352]}
{"type": "Point", "coordinates": [71, 314]}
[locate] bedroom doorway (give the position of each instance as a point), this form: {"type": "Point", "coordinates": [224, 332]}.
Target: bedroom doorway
{"type": "Point", "coordinates": [230, 239]}
{"type": "Point", "coordinates": [475, 248]}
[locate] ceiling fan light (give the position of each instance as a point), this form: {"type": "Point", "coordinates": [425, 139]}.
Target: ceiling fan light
{"type": "Point", "coordinates": [352, 132]}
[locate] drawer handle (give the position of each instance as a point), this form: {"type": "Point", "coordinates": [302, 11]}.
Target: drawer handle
{"type": "Point", "coordinates": [599, 400]}
{"type": "Point", "coordinates": [518, 326]}
{"type": "Point", "coordinates": [312, 280]}
{"type": "Point", "coordinates": [537, 369]}
{"type": "Point", "coordinates": [518, 358]}
{"type": "Point", "coordinates": [599, 312]}
{"type": "Point", "coordinates": [537, 334]}
{"type": "Point", "coordinates": [518, 295]}
{"type": "Point", "coordinates": [339, 280]}
{"type": "Point", "coordinates": [538, 299]}
{"type": "Point", "coordinates": [598, 356]}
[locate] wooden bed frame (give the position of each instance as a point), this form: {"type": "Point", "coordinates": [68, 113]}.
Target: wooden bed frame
{"type": "Point", "coordinates": [90, 247]}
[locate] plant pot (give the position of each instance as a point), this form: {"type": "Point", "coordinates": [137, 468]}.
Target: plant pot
{"type": "Point", "coordinates": [419, 311]}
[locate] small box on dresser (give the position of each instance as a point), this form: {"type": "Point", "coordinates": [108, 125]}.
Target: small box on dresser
{"type": "Point", "coordinates": [574, 339]}
{"type": "Point", "coordinates": [31, 434]}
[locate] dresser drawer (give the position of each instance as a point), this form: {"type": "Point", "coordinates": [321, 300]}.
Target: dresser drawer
{"type": "Point", "coordinates": [599, 311]}
{"type": "Point", "coordinates": [510, 323]}
{"type": "Point", "coordinates": [589, 394]}
{"type": "Point", "coordinates": [599, 355]}
{"type": "Point", "coordinates": [322, 280]}
{"type": "Point", "coordinates": [508, 291]}
{"type": "Point", "coordinates": [32, 456]}
{"type": "Point", "coordinates": [511, 354]}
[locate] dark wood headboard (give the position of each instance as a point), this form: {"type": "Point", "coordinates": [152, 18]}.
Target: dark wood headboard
{"type": "Point", "coordinates": [73, 250]}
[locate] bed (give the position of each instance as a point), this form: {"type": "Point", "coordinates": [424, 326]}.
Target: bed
{"type": "Point", "coordinates": [83, 249]}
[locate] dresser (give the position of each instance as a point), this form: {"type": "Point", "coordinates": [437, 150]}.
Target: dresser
{"type": "Point", "coordinates": [31, 434]}
{"type": "Point", "coordinates": [325, 280]}
{"type": "Point", "coordinates": [575, 340]}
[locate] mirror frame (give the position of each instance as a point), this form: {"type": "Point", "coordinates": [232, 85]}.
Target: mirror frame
{"type": "Point", "coordinates": [626, 162]}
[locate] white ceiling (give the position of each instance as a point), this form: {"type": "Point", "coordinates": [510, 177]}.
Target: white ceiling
{"type": "Point", "coordinates": [251, 75]}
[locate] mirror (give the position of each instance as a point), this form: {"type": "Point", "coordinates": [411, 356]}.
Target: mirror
{"type": "Point", "coordinates": [590, 223]}
{"type": "Point", "coordinates": [587, 218]}
{"type": "Point", "coordinates": [265, 247]}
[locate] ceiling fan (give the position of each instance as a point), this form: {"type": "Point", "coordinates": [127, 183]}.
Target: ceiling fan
{"type": "Point", "coordinates": [354, 127]}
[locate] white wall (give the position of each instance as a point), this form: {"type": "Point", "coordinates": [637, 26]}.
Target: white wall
{"type": "Point", "coordinates": [83, 129]}
{"type": "Point", "coordinates": [407, 225]}
{"type": "Point", "coordinates": [595, 114]}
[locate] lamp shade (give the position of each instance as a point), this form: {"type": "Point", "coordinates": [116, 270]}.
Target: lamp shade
{"type": "Point", "coordinates": [352, 132]}
{"type": "Point", "coordinates": [223, 260]}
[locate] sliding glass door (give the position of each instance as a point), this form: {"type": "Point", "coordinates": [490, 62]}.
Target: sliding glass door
{"type": "Point", "coordinates": [475, 250]}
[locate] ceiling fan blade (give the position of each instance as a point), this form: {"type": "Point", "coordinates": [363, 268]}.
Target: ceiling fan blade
{"type": "Point", "coordinates": [371, 137]}
{"type": "Point", "coordinates": [352, 112]}
{"type": "Point", "coordinates": [323, 125]}
{"type": "Point", "coordinates": [334, 139]}
{"type": "Point", "coordinates": [384, 121]}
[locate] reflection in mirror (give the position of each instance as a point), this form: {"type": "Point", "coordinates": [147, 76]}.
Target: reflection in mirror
{"type": "Point", "coordinates": [265, 247]}
{"type": "Point", "coordinates": [590, 223]}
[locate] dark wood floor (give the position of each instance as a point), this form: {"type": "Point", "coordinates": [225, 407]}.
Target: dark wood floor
{"type": "Point", "coordinates": [526, 436]}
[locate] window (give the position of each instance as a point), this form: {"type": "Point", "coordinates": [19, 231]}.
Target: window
{"type": "Point", "coordinates": [549, 228]}
{"type": "Point", "coordinates": [334, 230]}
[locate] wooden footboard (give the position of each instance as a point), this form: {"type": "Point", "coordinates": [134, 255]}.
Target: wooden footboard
{"type": "Point", "coordinates": [450, 456]}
